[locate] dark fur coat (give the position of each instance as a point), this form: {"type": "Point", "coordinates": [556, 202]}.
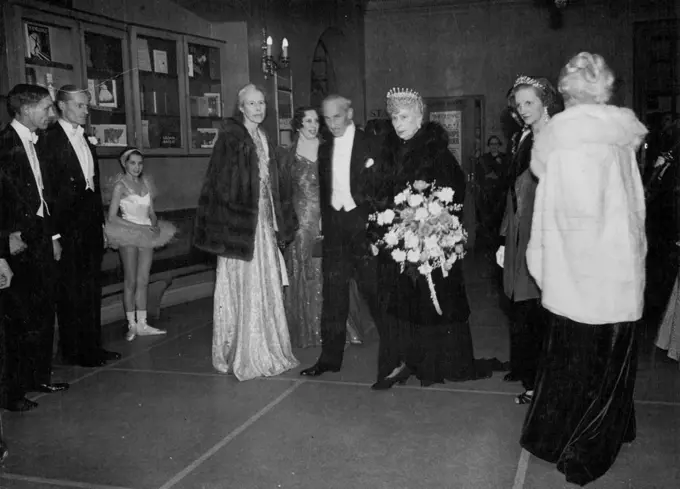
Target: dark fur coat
{"type": "Point", "coordinates": [424, 157]}
{"type": "Point", "coordinates": [227, 213]}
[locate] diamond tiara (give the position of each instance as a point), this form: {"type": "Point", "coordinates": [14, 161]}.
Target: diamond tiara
{"type": "Point", "coordinates": [528, 80]}
{"type": "Point", "coordinates": [402, 97]}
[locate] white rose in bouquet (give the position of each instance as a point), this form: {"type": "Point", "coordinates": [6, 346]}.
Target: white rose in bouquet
{"type": "Point", "coordinates": [420, 185]}
{"type": "Point", "coordinates": [413, 256]}
{"type": "Point", "coordinates": [402, 196]}
{"type": "Point", "coordinates": [431, 242]}
{"type": "Point", "coordinates": [411, 241]}
{"type": "Point", "coordinates": [422, 214]}
{"type": "Point", "coordinates": [391, 238]}
{"type": "Point", "coordinates": [445, 195]}
{"type": "Point", "coordinates": [386, 217]}
{"type": "Point", "coordinates": [415, 200]}
{"type": "Point", "coordinates": [399, 256]}
{"type": "Point", "coordinates": [434, 208]}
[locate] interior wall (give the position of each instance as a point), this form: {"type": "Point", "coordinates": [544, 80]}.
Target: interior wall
{"type": "Point", "coordinates": [303, 23]}
{"type": "Point", "coordinates": [480, 47]}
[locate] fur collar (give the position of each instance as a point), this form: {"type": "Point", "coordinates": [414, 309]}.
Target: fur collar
{"type": "Point", "coordinates": [430, 139]}
{"type": "Point", "coordinates": [587, 125]}
{"type": "Point", "coordinates": [235, 128]}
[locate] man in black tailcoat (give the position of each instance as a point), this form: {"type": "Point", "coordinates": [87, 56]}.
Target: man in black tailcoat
{"type": "Point", "coordinates": [79, 214]}
{"type": "Point", "coordinates": [30, 245]}
{"type": "Point", "coordinates": [345, 176]}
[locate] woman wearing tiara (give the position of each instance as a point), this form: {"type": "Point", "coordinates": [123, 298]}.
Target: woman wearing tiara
{"type": "Point", "coordinates": [587, 254]}
{"type": "Point", "coordinates": [304, 294]}
{"type": "Point", "coordinates": [414, 338]}
{"type": "Point", "coordinates": [135, 233]}
{"type": "Point", "coordinates": [534, 100]}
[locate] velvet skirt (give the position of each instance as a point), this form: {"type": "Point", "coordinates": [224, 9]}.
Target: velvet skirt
{"type": "Point", "coordinates": [583, 410]}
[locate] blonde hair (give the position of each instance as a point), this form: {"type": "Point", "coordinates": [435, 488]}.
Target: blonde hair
{"type": "Point", "coordinates": [586, 79]}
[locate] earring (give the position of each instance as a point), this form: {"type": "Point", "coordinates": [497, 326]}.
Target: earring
{"type": "Point", "coordinates": [546, 116]}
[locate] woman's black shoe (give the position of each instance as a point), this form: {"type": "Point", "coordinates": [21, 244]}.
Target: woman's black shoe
{"type": "Point", "coordinates": [388, 382]}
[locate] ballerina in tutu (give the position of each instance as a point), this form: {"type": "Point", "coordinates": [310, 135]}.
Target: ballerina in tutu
{"type": "Point", "coordinates": [135, 233]}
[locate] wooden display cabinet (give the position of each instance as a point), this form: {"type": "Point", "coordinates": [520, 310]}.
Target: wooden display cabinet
{"type": "Point", "coordinates": [206, 107]}
{"type": "Point", "coordinates": [158, 78]}
{"type": "Point", "coordinates": [104, 61]}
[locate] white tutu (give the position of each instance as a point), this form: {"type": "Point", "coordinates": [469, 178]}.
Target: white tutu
{"type": "Point", "coordinates": [121, 235]}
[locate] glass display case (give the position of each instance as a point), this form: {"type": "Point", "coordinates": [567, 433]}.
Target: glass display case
{"type": "Point", "coordinates": [206, 107]}
{"type": "Point", "coordinates": [48, 51]}
{"type": "Point", "coordinates": [159, 84]}
{"type": "Point", "coordinates": [105, 58]}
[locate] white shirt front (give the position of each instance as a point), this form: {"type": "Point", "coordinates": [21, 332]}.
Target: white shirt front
{"type": "Point", "coordinates": [76, 135]}
{"type": "Point", "coordinates": [341, 193]}
{"type": "Point", "coordinates": [29, 139]}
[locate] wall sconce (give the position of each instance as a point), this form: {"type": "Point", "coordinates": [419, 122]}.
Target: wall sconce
{"type": "Point", "coordinates": [269, 66]}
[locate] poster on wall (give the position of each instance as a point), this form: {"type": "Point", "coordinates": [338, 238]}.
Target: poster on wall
{"type": "Point", "coordinates": [452, 122]}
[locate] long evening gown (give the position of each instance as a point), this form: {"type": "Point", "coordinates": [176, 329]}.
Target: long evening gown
{"type": "Point", "coordinates": [250, 332]}
{"type": "Point", "coordinates": [668, 337]}
{"type": "Point", "coordinates": [304, 298]}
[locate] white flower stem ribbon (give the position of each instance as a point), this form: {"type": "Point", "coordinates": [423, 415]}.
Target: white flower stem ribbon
{"type": "Point", "coordinates": [433, 294]}
{"type": "Point", "coordinates": [426, 269]}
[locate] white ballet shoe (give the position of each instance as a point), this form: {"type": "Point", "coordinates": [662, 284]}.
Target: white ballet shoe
{"type": "Point", "coordinates": [143, 329]}
{"type": "Point", "coordinates": [132, 332]}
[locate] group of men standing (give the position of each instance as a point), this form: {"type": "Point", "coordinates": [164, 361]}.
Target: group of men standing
{"type": "Point", "coordinates": [51, 242]}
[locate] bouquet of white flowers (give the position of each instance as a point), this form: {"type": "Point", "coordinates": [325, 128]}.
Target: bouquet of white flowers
{"type": "Point", "coordinates": [423, 231]}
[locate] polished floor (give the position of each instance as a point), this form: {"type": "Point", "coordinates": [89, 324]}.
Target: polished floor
{"type": "Point", "coordinates": [161, 418]}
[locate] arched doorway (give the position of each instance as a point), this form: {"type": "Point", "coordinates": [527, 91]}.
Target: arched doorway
{"type": "Point", "coordinates": [323, 76]}
{"type": "Point", "coordinates": [337, 67]}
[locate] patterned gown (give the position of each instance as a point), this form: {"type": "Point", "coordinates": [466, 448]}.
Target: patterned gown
{"type": "Point", "coordinates": [304, 298]}
{"type": "Point", "coordinates": [668, 337]}
{"type": "Point", "coordinates": [250, 332]}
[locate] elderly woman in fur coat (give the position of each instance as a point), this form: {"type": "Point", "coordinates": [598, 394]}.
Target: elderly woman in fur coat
{"type": "Point", "coordinates": [244, 211]}
{"type": "Point", "coordinates": [587, 253]}
{"type": "Point", "coordinates": [414, 338]}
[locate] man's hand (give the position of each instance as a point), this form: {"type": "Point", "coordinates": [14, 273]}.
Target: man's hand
{"type": "Point", "coordinates": [5, 274]}
{"type": "Point", "coordinates": [16, 244]}
{"type": "Point", "coordinates": [56, 247]}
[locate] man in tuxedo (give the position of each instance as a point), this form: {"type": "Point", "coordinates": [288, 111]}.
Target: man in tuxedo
{"type": "Point", "coordinates": [345, 173]}
{"type": "Point", "coordinates": [25, 205]}
{"type": "Point", "coordinates": [79, 216]}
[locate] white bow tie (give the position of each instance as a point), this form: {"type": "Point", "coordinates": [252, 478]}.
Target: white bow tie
{"type": "Point", "coordinates": [79, 131]}
{"type": "Point", "coordinates": [34, 138]}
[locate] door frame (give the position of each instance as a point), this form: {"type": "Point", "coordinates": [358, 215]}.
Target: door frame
{"type": "Point", "coordinates": [468, 155]}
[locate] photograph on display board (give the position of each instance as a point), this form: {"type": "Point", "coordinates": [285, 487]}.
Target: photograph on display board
{"type": "Point", "coordinates": [38, 45]}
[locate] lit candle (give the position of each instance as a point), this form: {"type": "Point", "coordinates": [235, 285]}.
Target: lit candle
{"type": "Point", "coordinates": [269, 46]}
{"type": "Point", "coordinates": [284, 47]}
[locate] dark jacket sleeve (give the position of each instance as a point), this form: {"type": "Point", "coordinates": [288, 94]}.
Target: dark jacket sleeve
{"type": "Point", "coordinates": [226, 216]}
{"type": "Point", "coordinates": [4, 232]}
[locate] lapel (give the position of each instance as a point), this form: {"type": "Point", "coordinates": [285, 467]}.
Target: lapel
{"type": "Point", "coordinates": [356, 160]}
{"type": "Point", "coordinates": [326, 162]}
{"type": "Point", "coordinates": [69, 158]}
{"type": "Point", "coordinates": [24, 180]}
